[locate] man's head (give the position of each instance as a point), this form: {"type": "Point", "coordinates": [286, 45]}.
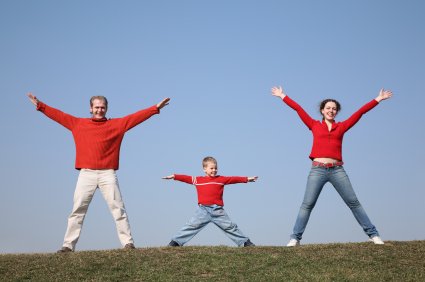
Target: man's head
{"type": "Point", "coordinates": [209, 165]}
{"type": "Point", "coordinates": [98, 106]}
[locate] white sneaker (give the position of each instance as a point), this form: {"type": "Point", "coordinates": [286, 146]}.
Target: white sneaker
{"type": "Point", "coordinates": [293, 243]}
{"type": "Point", "coordinates": [377, 240]}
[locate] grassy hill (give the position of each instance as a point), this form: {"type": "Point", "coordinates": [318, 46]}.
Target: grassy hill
{"type": "Point", "coordinates": [394, 261]}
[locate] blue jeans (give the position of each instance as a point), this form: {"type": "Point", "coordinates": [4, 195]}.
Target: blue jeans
{"type": "Point", "coordinates": [337, 176]}
{"type": "Point", "coordinates": [205, 215]}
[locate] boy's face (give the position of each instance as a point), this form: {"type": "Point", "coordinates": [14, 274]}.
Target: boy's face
{"type": "Point", "coordinates": [210, 169]}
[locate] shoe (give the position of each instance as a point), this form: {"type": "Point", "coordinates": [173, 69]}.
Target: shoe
{"type": "Point", "coordinates": [65, 250]}
{"type": "Point", "coordinates": [248, 244]}
{"type": "Point", "coordinates": [293, 243]}
{"type": "Point", "coordinates": [129, 246]}
{"type": "Point", "coordinates": [376, 240]}
{"type": "Point", "coordinates": [173, 244]}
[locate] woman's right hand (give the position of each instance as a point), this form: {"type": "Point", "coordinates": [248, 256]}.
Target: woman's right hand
{"type": "Point", "coordinates": [278, 92]}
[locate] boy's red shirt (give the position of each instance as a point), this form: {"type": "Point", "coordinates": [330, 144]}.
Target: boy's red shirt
{"type": "Point", "coordinates": [328, 144]}
{"type": "Point", "coordinates": [210, 189]}
{"type": "Point", "coordinates": [97, 141]}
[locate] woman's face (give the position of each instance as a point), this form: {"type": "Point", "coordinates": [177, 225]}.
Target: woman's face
{"type": "Point", "coordinates": [330, 111]}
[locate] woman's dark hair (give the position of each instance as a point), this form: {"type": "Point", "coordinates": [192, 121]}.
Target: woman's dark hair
{"type": "Point", "coordinates": [323, 103]}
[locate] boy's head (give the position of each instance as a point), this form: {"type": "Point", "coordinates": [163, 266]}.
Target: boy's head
{"type": "Point", "coordinates": [209, 165]}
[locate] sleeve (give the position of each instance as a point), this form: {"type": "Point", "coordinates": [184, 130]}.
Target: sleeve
{"type": "Point", "coordinates": [235, 179]}
{"type": "Point", "coordinates": [185, 178]}
{"type": "Point", "coordinates": [132, 120]}
{"type": "Point", "coordinates": [308, 121]}
{"type": "Point", "coordinates": [354, 118]}
{"type": "Point", "coordinates": [60, 117]}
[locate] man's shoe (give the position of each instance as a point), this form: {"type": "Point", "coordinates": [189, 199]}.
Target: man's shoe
{"type": "Point", "coordinates": [293, 243]}
{"type": "Point", "coordinates": [64, 250]}
{"type": "Point", "coordinates": [248, 244]}
{"type": "Point", "coordinates": [129, 246]}
{"type": "Point", "coordinates": [173, 244]}
{"type": "Point", "coordinates": [377, 240]}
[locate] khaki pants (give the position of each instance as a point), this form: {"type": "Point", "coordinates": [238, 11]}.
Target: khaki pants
{"type": "Point", "coordinates": [107, 182]}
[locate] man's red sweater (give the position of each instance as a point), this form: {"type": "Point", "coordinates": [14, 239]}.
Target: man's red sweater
{"type": "Point", "coordinates": [210, 189]}
{"type": "Point", "coordinates": [97, 141]}
{"type": "Point", "coordinates": [328, 144]}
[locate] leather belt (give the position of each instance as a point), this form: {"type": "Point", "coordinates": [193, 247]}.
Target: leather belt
{"type": "Point", "coordinates": [327, 165]}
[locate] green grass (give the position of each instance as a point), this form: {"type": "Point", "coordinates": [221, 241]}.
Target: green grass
{"type": "Point", "coordinates": [394, 261]}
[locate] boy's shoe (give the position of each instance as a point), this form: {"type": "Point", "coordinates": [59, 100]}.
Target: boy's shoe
{"type": "Point", "coordinates": [248, 244]}
{"type": "Point", "coordinates": [129, 246]}
{"type": "Point", "coordinates": [293, 243]}
{"type": "Point", "coordinates": [376, 240]}
{"type": "Point", "coordinates": [173, 244]}
{"type": "Point", "coordinates": [64, 250]}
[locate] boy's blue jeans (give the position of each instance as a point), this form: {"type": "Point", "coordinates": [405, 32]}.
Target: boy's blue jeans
{"type": "Point", "coordinates": [337, 176]}
{"type": "Point", "coordinates": [205, 215]}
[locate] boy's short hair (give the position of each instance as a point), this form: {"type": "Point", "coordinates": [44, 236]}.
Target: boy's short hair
{"type": "Point", "coordinates": [208, 160]}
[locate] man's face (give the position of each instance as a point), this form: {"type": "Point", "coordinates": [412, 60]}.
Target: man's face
{"type": "Point", "coordinates": [98, 109]}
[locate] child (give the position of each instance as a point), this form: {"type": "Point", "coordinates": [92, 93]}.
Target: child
{"type": "Point", "coordinates": [210, 205]}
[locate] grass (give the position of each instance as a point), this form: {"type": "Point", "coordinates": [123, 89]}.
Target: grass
{"type": "Point", "coordinates": [394, 261]}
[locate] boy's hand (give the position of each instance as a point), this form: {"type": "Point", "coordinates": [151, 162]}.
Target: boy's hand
{"type": "Point", "coordinates": [168, 177]}
{"type": "Point", "coordinates": [252, 178]}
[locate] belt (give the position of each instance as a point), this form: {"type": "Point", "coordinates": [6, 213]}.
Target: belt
{"type": "Point", "coordinates": [327, 165]}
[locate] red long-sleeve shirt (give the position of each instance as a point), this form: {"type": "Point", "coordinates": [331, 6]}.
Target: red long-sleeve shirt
{"type": "Point", "coordinates": [97, 141]}
{"type": "Point", "coordinates": [328, 143]}
{"type": "Point", "coordinates": [210, 189]}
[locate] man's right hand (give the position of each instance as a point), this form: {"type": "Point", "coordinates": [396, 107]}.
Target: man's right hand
{"type": "Point", "coordinates": [32, 98]}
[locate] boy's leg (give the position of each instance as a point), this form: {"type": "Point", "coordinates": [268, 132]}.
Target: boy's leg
{"type": "Point", "coordinates": [195, 224]}
{"type": "Point", "coordinates": [222, 220]}
{"type": "Point", "coordinates": [84, 191]}
{"type": "Point", "coordinates": [108, 185]}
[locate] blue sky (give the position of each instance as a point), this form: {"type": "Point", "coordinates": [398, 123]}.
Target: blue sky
{"type": "Point", "coordinates": [217, 61]}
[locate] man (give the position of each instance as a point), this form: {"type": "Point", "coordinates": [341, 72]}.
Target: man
{"type": "Point", "coordinates": [97, 141]}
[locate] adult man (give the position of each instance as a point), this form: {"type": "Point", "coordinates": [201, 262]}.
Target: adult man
{"type": "Point", "coordinates": [97, 141]}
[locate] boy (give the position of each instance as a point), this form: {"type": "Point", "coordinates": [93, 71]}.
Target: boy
{"type": "Point", "coordinates": [210, 205]}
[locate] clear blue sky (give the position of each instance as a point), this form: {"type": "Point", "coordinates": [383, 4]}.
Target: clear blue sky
{"type": "Point", "coordinates": [217, 60]}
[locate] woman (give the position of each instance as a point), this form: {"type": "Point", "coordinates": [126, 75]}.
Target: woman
{"type": "Point", "coordinates": [327, 165]}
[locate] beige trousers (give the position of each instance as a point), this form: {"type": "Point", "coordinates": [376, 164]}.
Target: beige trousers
{"type": "Point", "coordinates": [107, 182]}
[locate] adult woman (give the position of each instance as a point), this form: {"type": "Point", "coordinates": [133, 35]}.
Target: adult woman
{"type": "Point", "coordinates": [326, 155]}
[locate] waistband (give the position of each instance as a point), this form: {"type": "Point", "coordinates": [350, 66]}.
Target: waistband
{"type": "Point", "coordinates": [327, 165]}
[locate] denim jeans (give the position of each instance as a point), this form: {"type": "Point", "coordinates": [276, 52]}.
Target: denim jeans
{"type": "Point", "coordinates": [337, 176]}
{"type": "Point", "coordinates": [204, 215]}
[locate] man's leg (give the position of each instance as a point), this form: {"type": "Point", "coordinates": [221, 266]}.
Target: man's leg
{"type": "Point", "coordinates": [108, 185]}
{"type": "Point", "coordinates": [84, 191]}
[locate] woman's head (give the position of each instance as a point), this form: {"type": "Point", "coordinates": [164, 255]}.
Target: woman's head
{"type": "Point", "coordinates": [329, 108]}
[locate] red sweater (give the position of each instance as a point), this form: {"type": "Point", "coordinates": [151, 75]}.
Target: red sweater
{"type": "Point", "coordinates": [210, 189]}
{"type": "Point", "coordinates": [97, 141]}
{"type": "Point", "coordinates": [328, 144]}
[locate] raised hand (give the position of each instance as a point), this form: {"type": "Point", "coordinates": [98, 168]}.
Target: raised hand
{"type": "Point", "coordinates": [278, 92]}
{"type": "Point", "coordinates": [384, 94]}
{"type": "Point", "coordinates": [163, 103]}
{"type": "Point", "coordinates": [32, 98]}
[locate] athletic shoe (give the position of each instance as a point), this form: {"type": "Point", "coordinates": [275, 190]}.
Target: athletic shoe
{"type": "Point", "coordinates": [129, 246]}
{"type": "Point", "coordinates": [64, 250]}
{"type": "Point", "coordinates": [173, 244]}
{"type": "Point", "coordinates": [248, 244]}
{"type": "Point", "coordinates": [376, 240]}
{"type": "Point", "coordinates": [293, 243]}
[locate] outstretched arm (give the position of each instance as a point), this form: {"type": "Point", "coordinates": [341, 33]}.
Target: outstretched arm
{"type": "Point", "coordinates": [163, 103]}
{"type": "Point", "coordinates": [252, 178]}
{"type": "Point", "coordinates": [383, 95]}
{"type": "Point", "coordinates": [33, 99]}
{"type": "Point", "coordinates": [278, 92]}
{"type": "Point", "coordinates": [168, 177]}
